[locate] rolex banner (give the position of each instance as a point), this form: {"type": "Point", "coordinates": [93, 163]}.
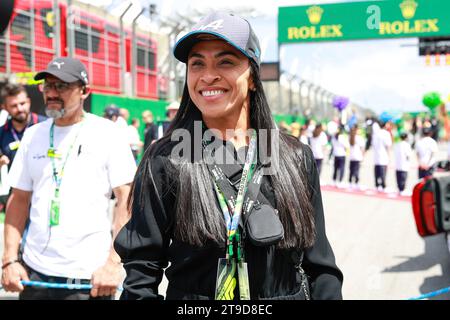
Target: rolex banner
{"type": "Point", "coordinates": [364, 20]}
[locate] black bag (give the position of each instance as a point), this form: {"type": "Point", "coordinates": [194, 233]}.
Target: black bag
{"type": "Point", "coordinates": [263, 226]}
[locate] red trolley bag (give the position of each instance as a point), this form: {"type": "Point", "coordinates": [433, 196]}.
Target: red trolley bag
{"type": "Point", "coordinates": [424, 206]}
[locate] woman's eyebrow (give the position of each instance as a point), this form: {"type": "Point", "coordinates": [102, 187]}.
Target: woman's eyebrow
{"type": "Point", "coordinates": [218, 55]}
{"type": "Point", "coordinates": [195, 55]}
{"type": "Point", "coordinates": [225, 53]}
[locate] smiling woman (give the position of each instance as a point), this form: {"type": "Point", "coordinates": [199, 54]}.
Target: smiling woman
{"type": "Point", "coordinates": [218, 82]}
{"type": "Point", "coordinates": [231, 223]}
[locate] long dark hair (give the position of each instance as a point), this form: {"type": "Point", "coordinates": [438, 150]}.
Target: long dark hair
{"type": "Point", "coordinates": [198, 218]}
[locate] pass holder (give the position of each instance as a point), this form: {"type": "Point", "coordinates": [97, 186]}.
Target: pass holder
{"type": "Point", "coordinates": [53, 153]}
{"type": "Point", "coordinates": [54, 209]}
{"type": "Point", "coordinates": [226, 279]}
{"type": "Point", "coordinates": [263, 225]}
{"type": "Point", "coordinates": [14, 145]}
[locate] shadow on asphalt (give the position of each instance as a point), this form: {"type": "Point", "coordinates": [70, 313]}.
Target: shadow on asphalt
{"type": "Point", "coordinates": [436, 253]}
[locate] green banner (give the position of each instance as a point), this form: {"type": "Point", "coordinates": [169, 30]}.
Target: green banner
{"type": "Point", "coordinates": [364, 20]}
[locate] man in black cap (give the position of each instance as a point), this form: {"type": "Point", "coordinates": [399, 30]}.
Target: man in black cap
{"type": "Point", "coordinates": [62, 179]}
{"type": "Point", "coordinates": [111, 112]}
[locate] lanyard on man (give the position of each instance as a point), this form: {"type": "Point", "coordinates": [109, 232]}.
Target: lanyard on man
{"type": "Point", "coordinates": [57, 176]}
{"type": "Point", "coordinates": [16, 143]}
{"type": "Point", "coordinates": [226, 273]}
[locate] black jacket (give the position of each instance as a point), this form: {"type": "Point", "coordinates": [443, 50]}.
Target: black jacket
{"type": "Point", "coordinates": [146, 247]}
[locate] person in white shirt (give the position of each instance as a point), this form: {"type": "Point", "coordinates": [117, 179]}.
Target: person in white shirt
{"type": "Point", "coordinates": [340, 147]}
{"type": "Point", "coordinates": [122, 119]}
{"type": "Point", "coordinates": [134, 139]}
{"type": "Point", "coordinates": [62, 178]}
{"type": "Point", "coordinates": [304, 135]}
{"type": "Point", "coordinates": [402, 154]}
{"type": "Point", "coordinates": [426, 149]}
{"type": "Point", "coordinates": [381, 142]}
{"type": "Point", "coordinates": [357, 148]}
{"type": "Point", "coordinates": [318, 143]}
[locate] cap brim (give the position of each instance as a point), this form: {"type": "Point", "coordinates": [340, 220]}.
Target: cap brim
{"type": "Point", "coordinates": [60, 75]}
{"type": "Point", "coordinates": [185, 44]}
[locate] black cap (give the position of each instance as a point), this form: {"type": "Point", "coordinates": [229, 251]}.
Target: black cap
{"type": "Point", "coordinates": [427, 130]}
{"type": "Point", "coordinates": [65, 68]}
{"type": "Point", "coordinates": [111, 111]}
{"type": "Point", "coordinates": [229, 27]}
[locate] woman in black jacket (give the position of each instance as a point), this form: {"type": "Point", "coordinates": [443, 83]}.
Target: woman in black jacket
{"type": "Point", "coordinates": [210, 212]}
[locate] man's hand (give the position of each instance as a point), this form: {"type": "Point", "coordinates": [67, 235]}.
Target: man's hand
{"type": "Point", "coordinates": [11, 277]}
{"type": "Point", "coordinates": [4, 160]}
{"type": "Point", "coordinates": [106, 279]}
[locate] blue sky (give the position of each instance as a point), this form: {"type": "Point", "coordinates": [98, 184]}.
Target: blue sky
{"type": "Point", "coordinates": [378, 74]}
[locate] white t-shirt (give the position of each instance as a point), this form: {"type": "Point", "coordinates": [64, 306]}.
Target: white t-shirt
{"type": "Point", "coordinates": [340, 145]}
{"type": "Point", "coordinates": [381, 141]}
{"type": "Point", "coordinates": [317, 145]}
{"type": "Point", "coordinates": [426, 149]}
{"type": "Point", "coordinates": [133, 137]}
{"type": "Point", "coordinates": [357, 150]}
{"type": "Point", "coordinates": [100, 160]}
{"type": "Point", "coordinates": [402, 154]}
{"type": "Point", "coordinates": [304, 139]}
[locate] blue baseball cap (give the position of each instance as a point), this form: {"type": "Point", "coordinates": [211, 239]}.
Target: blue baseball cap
{"type": "Point", "coordinates": [227, 26]}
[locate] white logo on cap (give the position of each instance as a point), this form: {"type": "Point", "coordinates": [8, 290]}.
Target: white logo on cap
{"type": "Point", "coordinates": [58, 64]}
{"type": "Point", "coordinates": [84, 75]}
{"type": "Point", "coordinates": [215, 25]}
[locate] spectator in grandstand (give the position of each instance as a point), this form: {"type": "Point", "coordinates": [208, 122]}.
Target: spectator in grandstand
{"type": "Point", "coordinates": [62, 177]}
{"type": "Point", "coordinates": [177, 227]}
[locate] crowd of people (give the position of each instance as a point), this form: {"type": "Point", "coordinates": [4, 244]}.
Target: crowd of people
{"type": "Point", "coordinates": [391, 143]}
